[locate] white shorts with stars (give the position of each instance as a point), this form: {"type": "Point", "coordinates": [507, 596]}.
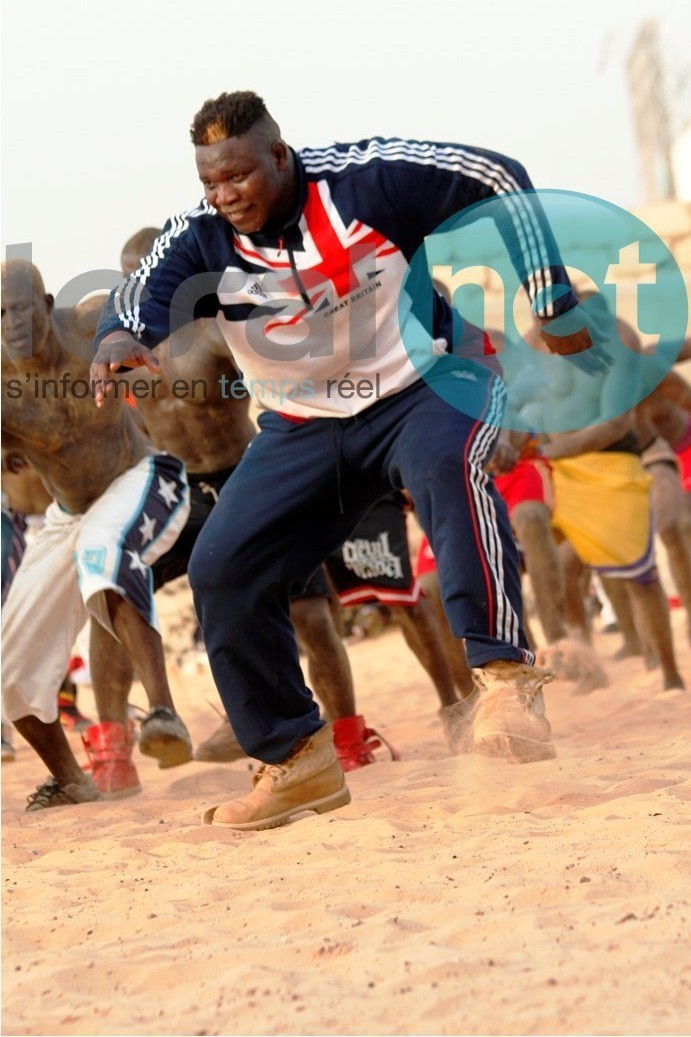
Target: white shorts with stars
{"type": "Point", "coordinates": [67, 568]}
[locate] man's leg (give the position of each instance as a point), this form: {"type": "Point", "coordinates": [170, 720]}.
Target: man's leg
{"type": "Point", "coordinates": [532, 522]}
{"type": "Point", "coordinates": [574, 600]}
{"type": "Point", "coordinates": [421, 632]}
{"type": "Point", "coordinates": [439, 455]}
{"type": "Point", "coordinates": [110, 742]}
{"type": "Point", "coordinates": [44, 607]}
{"type": "Point", "coordinates": [621, 603]}
{"type": "Point", "coordinates": [136, 521]}
{"type": "Point", "coordinates": [667, 499]}
{"type": "Point", "coordinates": [331, 678]}
{"type": "Point", "coordinates": [283, 511]}
{"type": "Point", "coordinates": [573, 657]}
{"type": "Point", "coordinates": [262, 541]}
{"type": "Point", "coordinates": [652, 610]}
{"type": "Point", "coordinates": [328, 666]}
{"type": "Point", "coordinates": [163, 733]}
{"type": "Point", "coordinates": [112, 674]}
{"type": "Point", "coordinates": [453, 646]}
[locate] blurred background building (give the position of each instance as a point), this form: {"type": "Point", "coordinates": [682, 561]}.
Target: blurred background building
{"type": "Point", "coordinates": [659, 82]}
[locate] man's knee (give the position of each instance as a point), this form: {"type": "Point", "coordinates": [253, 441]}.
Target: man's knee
{"type": "Point", "coordinates": [531, 519]}
{"type": "Point", "coordinates": [312, 620]}
{"type": "Point", "coordinates": [211, 567]}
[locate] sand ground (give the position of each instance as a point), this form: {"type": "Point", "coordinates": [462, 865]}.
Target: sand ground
{"type": "Point", "coordinates": [454, 895]}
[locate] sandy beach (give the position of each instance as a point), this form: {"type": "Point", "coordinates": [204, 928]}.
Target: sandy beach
{"type": "Point", "coordinates": [454, 895]}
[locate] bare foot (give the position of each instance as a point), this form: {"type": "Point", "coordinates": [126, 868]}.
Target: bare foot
{"type": "Point", "coordinates": [674, 682]}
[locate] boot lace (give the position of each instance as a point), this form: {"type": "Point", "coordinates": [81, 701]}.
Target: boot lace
{"type": "Point", "coordinates": [274, 771]}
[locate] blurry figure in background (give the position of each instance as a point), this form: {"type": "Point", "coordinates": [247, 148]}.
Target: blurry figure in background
{"type": "Point", "coordinates": [523, 476]}
{"type": "Point", "coordinates": [602, 512]}
{"type": "Point", "coordinates": [369, 620]}
{"type": "Point", "coordinates": [25, 500]}
{"type": "Point", "coordinates": [663, 425]}
{"type": "Point", "coordinates": [116, 505]}
{"type": "Point", "coordinates": [373, 566]}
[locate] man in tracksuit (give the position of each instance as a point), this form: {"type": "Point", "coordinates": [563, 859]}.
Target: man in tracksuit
{"type": "Point", "coordinates": [302, 256]}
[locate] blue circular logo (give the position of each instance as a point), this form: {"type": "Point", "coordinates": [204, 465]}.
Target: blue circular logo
{"type": "Point", "coordinates": [500, 263]}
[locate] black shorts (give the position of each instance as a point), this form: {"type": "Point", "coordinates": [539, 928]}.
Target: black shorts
{"type": "Point", "coordinates": [316, 587]}
{"type": "Point", "coordinates": [374, 562]}
{"type": "Point", "coordinates": [204, 491]}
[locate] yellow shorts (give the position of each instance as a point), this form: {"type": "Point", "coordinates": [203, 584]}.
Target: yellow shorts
{"type": "Point", "coordinates": [603, 509]}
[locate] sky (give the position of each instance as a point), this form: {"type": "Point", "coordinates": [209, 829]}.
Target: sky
{"type": "Point", "coordinates": [98, 97]}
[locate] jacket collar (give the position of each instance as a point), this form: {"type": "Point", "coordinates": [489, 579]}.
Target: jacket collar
{"type": "Point", "coordinates": [287, 229]}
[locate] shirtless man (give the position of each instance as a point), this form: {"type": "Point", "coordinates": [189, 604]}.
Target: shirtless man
{"type": "Point", "coordinates": [27, 499]}
{"type": "Point", "coordinates": [661, 420]}
{"type": "Point", "coordinates": [117, 505]}
{"type": "Point", "coordinates": [602, 507]}
{"type": "Point", "coordinates": [197, 408]}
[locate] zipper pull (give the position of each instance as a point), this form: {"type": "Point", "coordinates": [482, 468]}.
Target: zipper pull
{"type": "Point", "coordinates": [280, 247]}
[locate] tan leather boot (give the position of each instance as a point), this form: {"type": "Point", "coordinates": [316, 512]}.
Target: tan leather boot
{"type": "Point", "coordinates": [510, 719]}
{"type": "Point", "coordinates": [310, 779]}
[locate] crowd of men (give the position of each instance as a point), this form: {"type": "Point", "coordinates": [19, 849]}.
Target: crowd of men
{"type": "Point", "coordinates": [145, 483]}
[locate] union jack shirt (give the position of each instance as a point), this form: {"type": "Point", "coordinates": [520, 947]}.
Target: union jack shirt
{"type": "Point", "coordinates": [319, 314]}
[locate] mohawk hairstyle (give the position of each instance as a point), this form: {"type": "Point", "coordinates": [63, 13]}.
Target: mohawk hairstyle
{"type": "Point", "coordinates": [229, 115]}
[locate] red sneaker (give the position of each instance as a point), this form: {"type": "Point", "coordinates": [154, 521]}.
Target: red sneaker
{"type": "Point", "coordinates": [109, 748]}
{"type": "Point", "coordinates": [355, 743]}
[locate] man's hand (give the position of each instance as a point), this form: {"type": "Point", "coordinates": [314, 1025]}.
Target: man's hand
{"type": "Point", "coordinates": [115, 351]}
{"type": "Point", "coordinates": [505, 455]}
{"type": "Point", "coordinates": [580, 335]}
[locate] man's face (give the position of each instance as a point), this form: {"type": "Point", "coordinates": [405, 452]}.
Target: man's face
{"type": "Point", "coordinates": [25, 315]}
{"type": "Point", "coordinates": [247, 179]}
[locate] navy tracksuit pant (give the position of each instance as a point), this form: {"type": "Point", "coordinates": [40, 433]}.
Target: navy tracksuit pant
{"type": "Point", "coordinates": [298, 492]}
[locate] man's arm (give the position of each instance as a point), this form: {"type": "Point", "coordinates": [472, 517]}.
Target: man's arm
{"type": "Point", "coordinates": [507, 451]}
{"type": "Point", "coordinates": [586, 440]}
{"type": "Point", "coordinates": [156, 300]}
{"type": "Point", "coordinates": [677, 389]}
{"type": "Point", "coordinates": [574, 345]}
{"type": "Point", "coordinates": [464, 177]}
{"type": "Point", "coordinates": [117, 350]}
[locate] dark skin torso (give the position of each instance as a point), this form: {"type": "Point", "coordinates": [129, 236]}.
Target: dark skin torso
{"type": "Point", "coordinates": [204, 425]}
{"type": "Point", "coordinates": [76, 449]}
{"type": "Point", "coordinates": [22, 486]}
